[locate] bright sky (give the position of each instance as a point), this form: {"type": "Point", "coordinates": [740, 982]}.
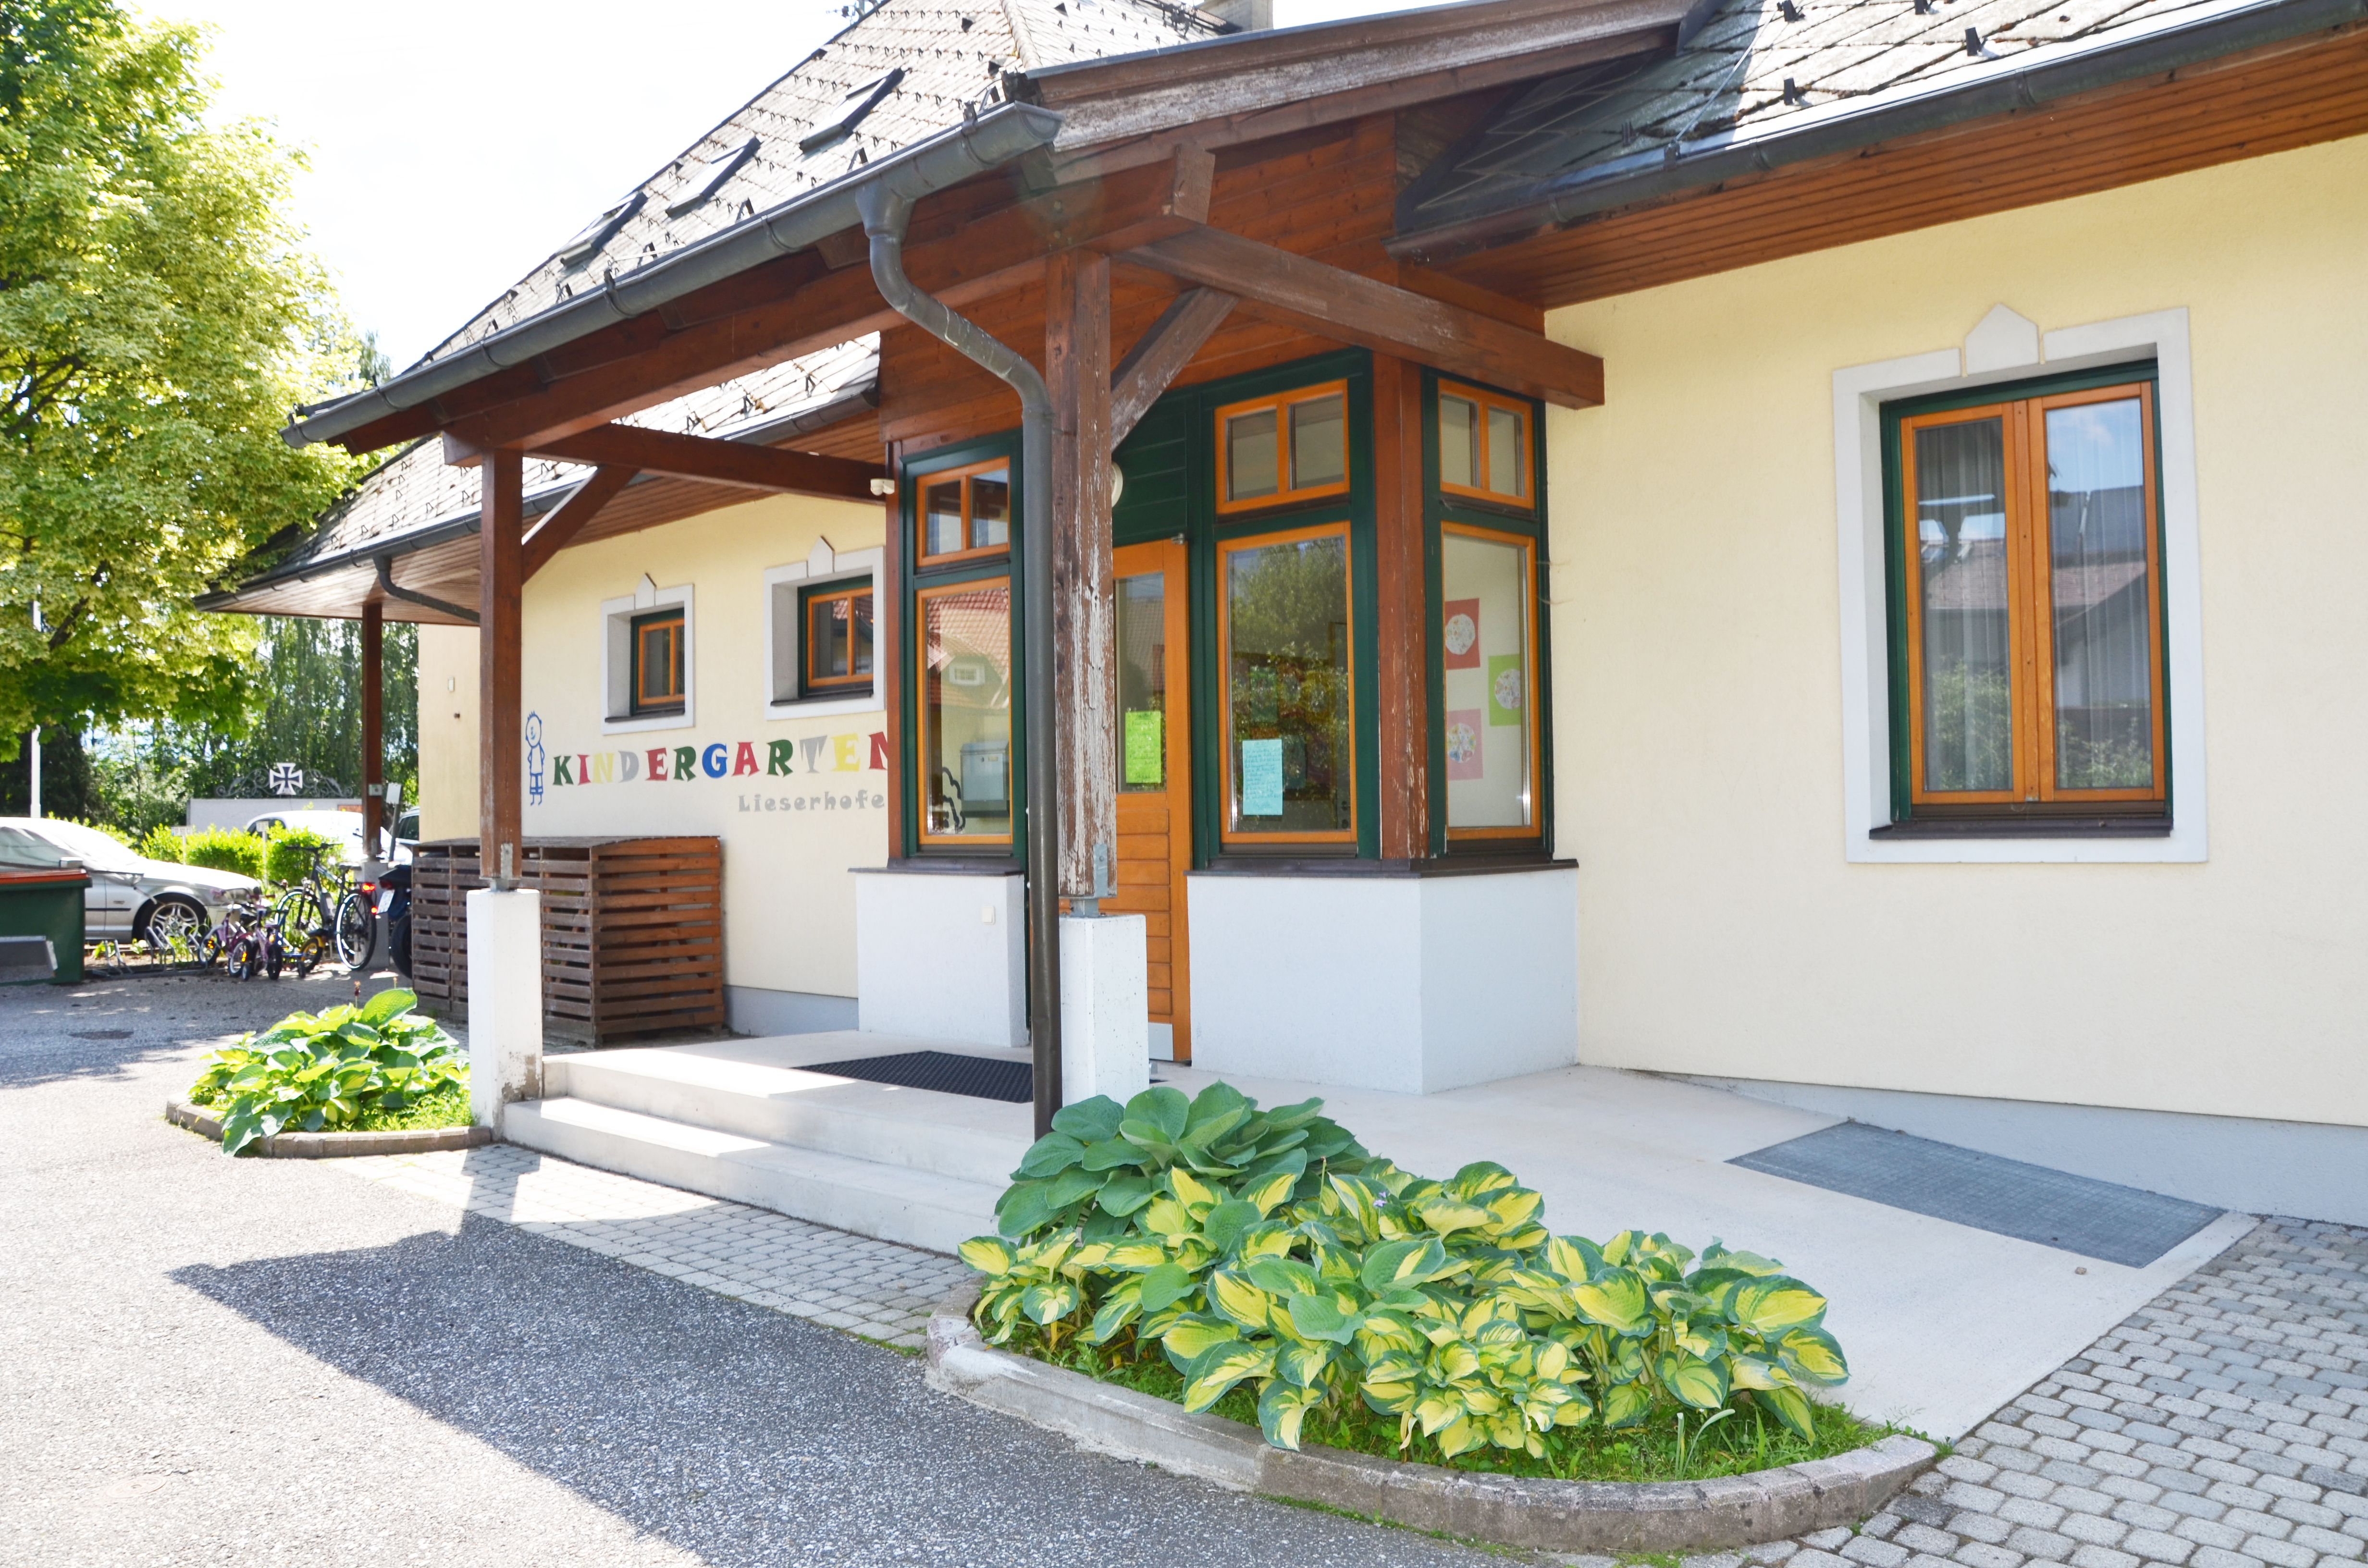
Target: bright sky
{"type": "Point", "coordinates": [456, 150]}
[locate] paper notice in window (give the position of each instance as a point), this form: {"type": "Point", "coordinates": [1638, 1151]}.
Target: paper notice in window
{"type": "Point", "coordinates": [1146, 760]}
{"type": "Point", "coordinates": [1506, 701]}
{"type": "Point", "coordinates": [1463, 753]}
{"type": "Point", "coordinates": [1262, 777]}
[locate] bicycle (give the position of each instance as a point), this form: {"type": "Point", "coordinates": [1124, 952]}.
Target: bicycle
{"type": "Point", "coordinates": [301, 923]}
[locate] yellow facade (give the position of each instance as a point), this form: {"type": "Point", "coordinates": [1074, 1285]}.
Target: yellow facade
{"type": "Point", "coordinates": [794, 819]}
{"type": "Point", "coordinates": [1698, 677]}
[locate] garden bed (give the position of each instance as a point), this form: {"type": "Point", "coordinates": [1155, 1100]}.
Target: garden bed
{"type": "Point", "coordinates": [333, 1145]}
{"type": "Point", "coordinates": [1512, 1510]}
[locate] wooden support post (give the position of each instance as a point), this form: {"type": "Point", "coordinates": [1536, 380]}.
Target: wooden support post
{"type": "Point", "coordinates": [501, 566]}
{"type": "Point", "coordinates": [889, 652]}
{"type": "Point", "coordinates": [1402, 550]}
{"type": "Point", "coordinates": [1084, 605]}
{"type": "Point", "coordinates": [373, 724]}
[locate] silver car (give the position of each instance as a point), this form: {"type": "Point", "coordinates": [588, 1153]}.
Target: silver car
{"type": "Point", "coordinates": [130, 896]}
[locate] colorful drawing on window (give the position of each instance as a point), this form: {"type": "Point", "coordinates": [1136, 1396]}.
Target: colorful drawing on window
{"type": "Point", "coordinates": [1146, 760]}
{"type": "Point", "coordinates": [1262, 777]}
{"type": "Point", "coordinates": [1464, 743]}
{"type": "Point", "coordinates": [1505, 704]}
{"type": "Point", "coordinates": [1460, 634]}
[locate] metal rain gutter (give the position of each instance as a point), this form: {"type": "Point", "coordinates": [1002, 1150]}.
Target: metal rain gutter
{"type": "Point", "coordinates": [934, 163]}
{"type": "Point", "coordinates": [885, 213]}
{"type": "Point", "coordinates": [1674, 168]}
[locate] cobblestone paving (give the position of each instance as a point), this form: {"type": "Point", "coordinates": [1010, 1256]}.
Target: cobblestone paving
{"type": "Point", "coordinates": [2223, 1425]}
{"type": "Point", "coordinates": [874, 1289]}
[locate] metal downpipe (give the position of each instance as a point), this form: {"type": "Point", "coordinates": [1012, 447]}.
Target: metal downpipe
{"type": "Point", "coordinates": [885, 214]}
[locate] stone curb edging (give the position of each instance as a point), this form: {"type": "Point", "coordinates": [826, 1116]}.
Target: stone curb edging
{"type": "Point", "coordinates": [333, 1145]}
{"type": "Point", "coordinates": [1555, 1515]}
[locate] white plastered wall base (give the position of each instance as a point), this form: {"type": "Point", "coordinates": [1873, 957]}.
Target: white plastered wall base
{"type": "Point", "coordinates": [1407, 983]}
{"type": "Point", "coordinates": [940, 954]}
{"type": "Point", "coordinates": [2005, 346]}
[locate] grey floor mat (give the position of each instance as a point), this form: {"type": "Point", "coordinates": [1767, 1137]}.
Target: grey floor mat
{"type": "Point", "coordinates": [2095, 1219]}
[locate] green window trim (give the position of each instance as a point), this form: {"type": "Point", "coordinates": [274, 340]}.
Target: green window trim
{"type": "Point", "coordinates": [911, 578]}
{"type": "Point", "coordinates": [1525, 519]}
{"type": "Point", "coordinates": [1895, 563]}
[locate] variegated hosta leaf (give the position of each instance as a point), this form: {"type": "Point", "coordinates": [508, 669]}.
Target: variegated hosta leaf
{"type": "Point", "coordinates": [1323, 1317]}
{"type": "Point", "coordinates": [1268, 1192]}
{"type": "Point", "coordinates": [1271, 1239]}
{"type": "Point", "coordinates": [1616, 1299]}
{"type": "Point", "coordinates": [1408, 1262]}
{"type": "Point", "coordinates": [1790, 1406]}
{"type": "Point", "coordinates": [1187, 1338]}
{"type": "Point", "coordinates": [1813, 1355]}
{"type": "Point", "coordinates": [1167, 1217]}
{"type": "Point", "coordinates": [1625, 1404]}
{"type": "Point", "coordinates": [1445, 1214]}
{"type": "Point", "coordinates": [1221, 1366]}
{"type": "Point", "coordinates": [991, 1256]}
{"type": "Point", "coordinates": [1435, 1412]}
{"type": "Point", "coordinates": [1303, 1364]}
{"type": "Point", "coordinates": [1691, 1379]}
{"type": "Point", "coordinates": [1050, 1300]}
{"type": "Point", "coordinates": [1224, 1222]}
{"type": "Point", "coordinates": [1165, 1285]}
{"type": "Point", "coordinates": [1283, 1275]}
{"type": "Point", "coordinates": [1198, 1197]}
{"type": "Point", "coordinates": [1121, 1307]}
{"type": "Point", "coordinates": [1753, 1372]}
{"type": "Point", "coordinates": [1282, 1407]}
{"type": "Point", "coordinates": [1461, 1437]}
{"type": "Point", "coordinates": [1231, 1292]}
{"type": "Point", "coordinates": [1774, 1304]}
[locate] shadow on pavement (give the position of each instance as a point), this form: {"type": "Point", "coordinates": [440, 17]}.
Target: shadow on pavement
{"type": "Point", "coordinates": [734, 1432]}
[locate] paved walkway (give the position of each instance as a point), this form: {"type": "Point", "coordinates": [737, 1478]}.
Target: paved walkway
{"type": "Point", "coordinates": [874, 1290]}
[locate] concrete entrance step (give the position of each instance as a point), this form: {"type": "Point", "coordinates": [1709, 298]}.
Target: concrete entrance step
{"type": "Point", "coordinates": [760, 1089]}
{"type": "Point", "coordinates": [896, 1203]}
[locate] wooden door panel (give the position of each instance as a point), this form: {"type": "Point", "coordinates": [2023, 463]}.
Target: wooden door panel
{"type": "Point", "coordinates": [1155, 841]}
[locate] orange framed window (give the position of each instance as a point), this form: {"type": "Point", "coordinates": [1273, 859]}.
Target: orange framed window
{"type": "Point", "coordinates": [657, 662]}
{"type": "Point", "coordinates": [963, 514]}
{"type": "Point", "coordinates": [838, 638]}
{"type": "Point", "coordinates": [1289, 448]}
{"type": "Point", "coordinates": [963, 780]}
{"type": "Point", "coordinates": [1487, 643]}
{"type": "Point", "coordinates": [2032, 605]}
{"type": "Point", "coordinates": [1287, 702]}
{"type": "Point", "coordinates": [1483, 444]}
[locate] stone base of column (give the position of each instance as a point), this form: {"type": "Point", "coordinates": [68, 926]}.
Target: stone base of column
{"type": "Point", "coordinates": [1105, 1000]}
{"type": "Point", "coordinates": [505, 1001]}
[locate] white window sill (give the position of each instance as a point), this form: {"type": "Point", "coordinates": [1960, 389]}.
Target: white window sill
{"type": "Point", "coordinates": [681, 720]}
{"type": "Point", "coordinates": [825, 706]}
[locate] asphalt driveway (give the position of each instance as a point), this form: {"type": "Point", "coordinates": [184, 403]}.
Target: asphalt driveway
{"type": "Point", "coordinates": [260, 1361]}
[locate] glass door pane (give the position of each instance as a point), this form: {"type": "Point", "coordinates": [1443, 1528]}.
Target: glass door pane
{"type": "Point", "coordinates": [965, 751]}
{"type": "Point", "coordinates": [1961, 584]}
{"type": "Point", "coordinates": [1142, 682]}
{"type": "Point", "coordinates": [2098, 523]}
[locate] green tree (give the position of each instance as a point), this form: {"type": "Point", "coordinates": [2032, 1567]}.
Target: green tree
{"type": "Point", "coordinates": [158, 318]}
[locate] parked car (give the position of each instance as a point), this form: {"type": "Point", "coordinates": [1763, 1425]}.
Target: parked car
{"type": "Point", "coordinates": [342, 828]}
{"type": "Point", "coordinates": [130, 896]}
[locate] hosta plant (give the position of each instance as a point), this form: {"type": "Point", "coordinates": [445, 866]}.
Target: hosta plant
{"type": "Point", "coordinates": [312, 1072]}
{"type": "Point", "coordinates": [1209, 1234]}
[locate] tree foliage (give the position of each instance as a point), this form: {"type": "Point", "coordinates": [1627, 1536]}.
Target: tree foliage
{"type": "Point", "coordinates": [158, 318]}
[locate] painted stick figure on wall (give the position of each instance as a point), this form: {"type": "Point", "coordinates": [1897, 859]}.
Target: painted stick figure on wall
{"type": "Point", "coordinates": [534, 759]}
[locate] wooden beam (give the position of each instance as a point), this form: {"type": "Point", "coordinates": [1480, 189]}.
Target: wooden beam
{"type": "Point", "coordinates": [1161, 353]}
{"type": "Point", "coordinates": [797, 305]}
{"type": "Point", "coordinates": [500, 576]}
{"type": "Point", "coordinates": [1402, 672]}
{"type": "Point", "coordinates": [717, 463]}
{"type": "Point", "coordinates": [373, 723]}
{"type": "Point", "coordinates": [1085, 584]}
{"type": "Point", "coordinates": [564, 521]}
{"type": "Point", "coordinates": [1352, 309]}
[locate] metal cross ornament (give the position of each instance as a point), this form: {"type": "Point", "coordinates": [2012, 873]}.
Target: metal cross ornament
{"type": "Point", "coordinates": [287, 779]}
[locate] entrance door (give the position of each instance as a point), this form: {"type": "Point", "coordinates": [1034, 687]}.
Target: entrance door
{"type": "Point", "coordinates": [1154, 774]}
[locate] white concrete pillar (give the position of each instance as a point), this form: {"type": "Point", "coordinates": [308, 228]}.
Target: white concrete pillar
{"type": "Point", "coordinates": [1105, 1007]}
{"type": "Point", "coordinates": [505, 1001]}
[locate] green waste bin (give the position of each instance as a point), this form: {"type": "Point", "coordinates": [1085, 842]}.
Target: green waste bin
{"type": "Point", "coordinates": [41, 905]}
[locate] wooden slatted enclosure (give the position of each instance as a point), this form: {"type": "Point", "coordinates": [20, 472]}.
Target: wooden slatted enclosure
{"type": "Point", "coordinates": [632, 932]}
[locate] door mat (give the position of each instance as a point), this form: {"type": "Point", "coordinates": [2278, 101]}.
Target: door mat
{"type": "Point", "coordinates": [947, 1072]}
{"type": "Point", "coordinates": [1990, 1192]}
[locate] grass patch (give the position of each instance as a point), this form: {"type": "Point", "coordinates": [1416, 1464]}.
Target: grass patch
{"type": "Point", "coordinates": [1745, 1441]}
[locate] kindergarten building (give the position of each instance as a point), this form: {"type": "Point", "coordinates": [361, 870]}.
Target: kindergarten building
{"type": "Point", "coordinates": [1699, 537]}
